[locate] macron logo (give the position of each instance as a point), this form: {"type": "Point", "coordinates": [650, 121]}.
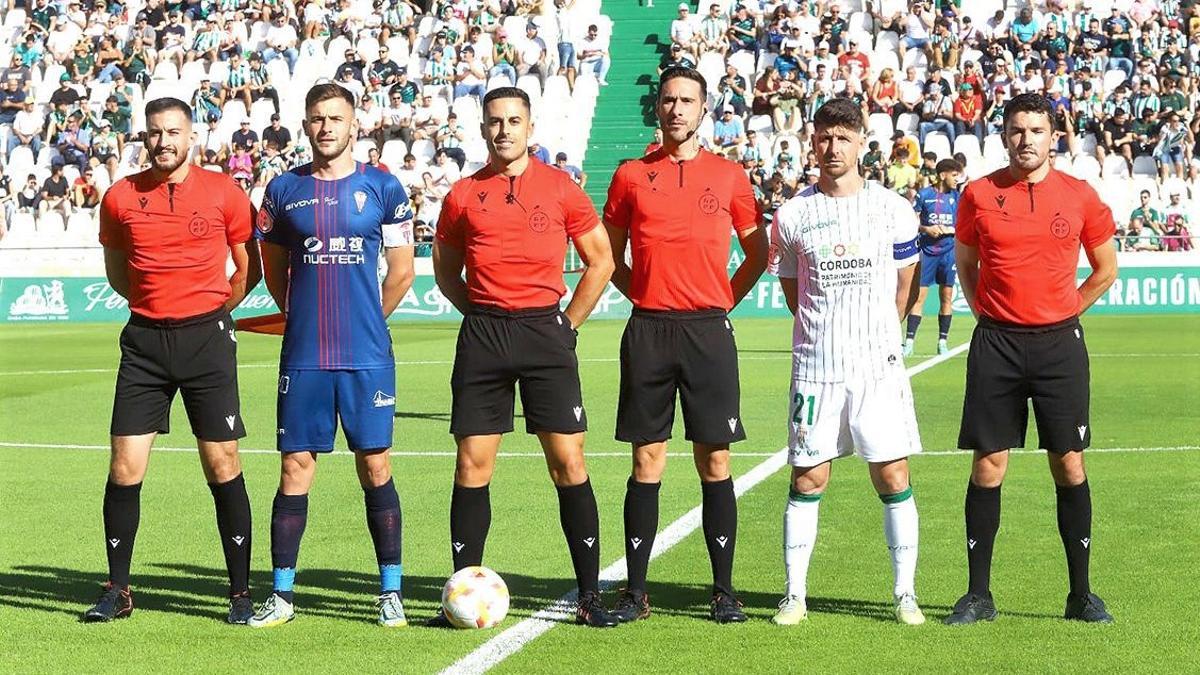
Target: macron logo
{"type": "Point", "coordinates": [1086, 541]}
{"type": "Point", "coordinates": [230, 419]}
{"type": "Point", "coordinates": [383, 400]}
{"type": "Point", "coordinates": [238, 540]}
{"type": "Point", "coordinates": [971, 544]}
{"type": "Point", "coordinates": [589, 541]}
{"type": "Point", "coordinates": [578, 410]}
{"type": "Point", "coordinates": [732, 424]}
{"type": "Point", "coordinates": [114, 542]}
{"type": "Point", "coordinates": [1082, 431]}
{"type": "Point", "coordinates": [458, 546]}
{"type": "Point", "coordinates": [636, 542]}
{"type": "Point", "coordinates": [722, 541]}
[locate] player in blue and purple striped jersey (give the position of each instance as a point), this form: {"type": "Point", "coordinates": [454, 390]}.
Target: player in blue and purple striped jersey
{"type": "Point", "coordinates": [937, 207]}
{"type": "Point", "coordinates": [322, 227]}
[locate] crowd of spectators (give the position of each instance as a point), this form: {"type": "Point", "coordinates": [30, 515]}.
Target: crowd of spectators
{"type": "Point", "coordinates": [77, 72]}
{"type": "Point", "coordinates": [932, 76]}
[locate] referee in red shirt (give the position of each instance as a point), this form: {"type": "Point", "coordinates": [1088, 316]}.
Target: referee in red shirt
{"type": "Point", "coordinates": [167, 233]}
{"type": "Point", "coordinates": [676, 208]}
{"type": "Point", "coordinates": [1018, 238]}
{"type": "Point", "coordinates": [507, 226]}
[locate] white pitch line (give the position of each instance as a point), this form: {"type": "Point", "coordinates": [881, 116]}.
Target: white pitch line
{"type": "Point", "coordinates": [513, 639]}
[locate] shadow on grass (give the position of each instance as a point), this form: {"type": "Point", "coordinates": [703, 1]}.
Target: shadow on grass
{"type": "Point", "coordinates": [197, 591]}
{"type": "Point", "coordinates": [432, 417]}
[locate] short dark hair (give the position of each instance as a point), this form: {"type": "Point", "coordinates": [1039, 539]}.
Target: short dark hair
{"type": "Point", "coordinates": [326, 91]}
{"type": "Point", "coordinates": [161, 105]}
{"type": "Point", "coordinates": [839, 112]}
{"type": "Point", "coordinates": [947, 165]}
{"type": "Point", "coordinates": [1028, 103]}
{"type": "Point", "coordinates": [506, 92]}
{"type": "Point", "coordinates": [675, 72]}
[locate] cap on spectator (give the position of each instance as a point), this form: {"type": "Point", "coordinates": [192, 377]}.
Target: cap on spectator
{"type": "Point", "coordinates": [57, 163]}
{"type": "Point", "coordinates": [105, 123]}
{"type": "Point", "coordinates": [823, 45]}
{"type": "Point", "coordinates": [683, 5]}
{"type": "Point", "coordinates": [244, 122]}
{"type": "Point", "coordinates": [65, 77]}
{"type": "Point", "coordinates": [141, 16]}
{"type": "Point", "coordinates": [560, 157]}
{"type": "Point", "coordinates": [1173, 23]}
{"type": "Point", "coordinates": [966, 86]}
{"type": "Point", "coordinates": [531, 26]}
{"type": "Point", "coordinates": [676, 47]}
{"type": "Point", "coordinates": [791, 44]}
{"type": "Point", "coordinates": [726, 109]}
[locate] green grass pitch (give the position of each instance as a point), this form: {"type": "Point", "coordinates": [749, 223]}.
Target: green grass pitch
{"type": "Point", "coordinates": [53, 431]}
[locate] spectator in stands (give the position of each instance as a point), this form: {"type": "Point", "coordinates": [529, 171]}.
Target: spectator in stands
{"type": "Point", "coordinates": [27, 128]}
{"type": "Point", "coordinates": [241, 167]}
{"type": "Point", "coordinates": [1140, 237]}
{"type": "Point", "coordinates": [937, 114]}
{"type": "Point", "coordinates": [471, 75]}
{"type": "Point", "coordinates": [370, 121]}
{"type": "Point", "coordinates": [12, 101]}
{"type": "Point", "coordinates": [346, 79]}
{"type": "Point", "coordinates": [17, 70]}
{"type": "Point", "coordinates": [1177, 236]}
{"type": "Point", "coordinates": [29, 198]}
{"type": "Point", "coordinates": [207, 102]}
{"type": "Point", "coordinates": [787, 104]}
{"type": "Point", "coordinates": [1149, 216]}
{"type": "Point", "coordinates": [917, 25]}
{"type": "Point", "coordinates": [373, 160]}
{"type": "Point", "coordinates": [106, 147]}
{"type": "Point", "coordinates": [260, 82]}
{"type": "Point", "coordinates": [281, 40]}
{"type": "Point", "coordinates": [684, 32]}
{"type": "Point", "coordinates": [872, 162]}
{"type": "Point", "coordinates": [74, 143]}
{"type": "Point", "coordinates": [397, 119]}
{"type": "Point", "coordinates": [385, 69]}
{"type": "Point", "coordinates": [676, 57]}
{"type": "Point", "coordinates": [968, 112]}
{"type": "Point", "coordinates": [278, 135]}
{"type": "Point", "coordinates": [901, 176]}
{"type": "Point", "coordinates": [944, 45]}
{"type": "Point", "coordinates": [714, 29]}
{"type": "Point", "coordinates": [593, 55]}
{"type": "Point", "coordinates": [731, 90]}
{"type": "Point", "coordinates": [245, 138]}
{"type": "Point", "coordinates": [994, 117]}
{"type": "Point", "coordinates": [902, 140]}
{"type": "Point", "coordinates": [450, 137]}
{"type": "Point", "coordinates": [655, 142]}
{"type": "Point", "coordinates": [408, 90]}
{"type": "Point", "coordinates": [859, 64]}
{"type": "Point", "coordinates": [912, 95]}
{"type": "Point", "coordinates": [533, 58]}
{"type": "Point", "coordinates": [504, 58]}
{"type": "Point", "coordinates": [1118, 137]}
{"type": "Point", "coordinates": [425, 119]}
{"type": "Point", "coordinates": [743, 31]}
{"type": "Point", "coordinates": [728, 133]}
{"type": "Point", "coordinates": [84, 192]}
{"type": "Point", "coordinates": [173, 40]}
{"type": "Point", "coordinates": [1145, 134]}
{"type": "Point", "coordinates": [577, 174]}
{"type": "Point", "coordinates": [56, 192]}
{"type": "Point", "coordinates": [884, 93]}
{"type": "Point", "coordinates": [1024, 30]}
{"type": "Point", "coordinates": [1170, 149]}
{"type": "Point", "coordinates": [1120, 44]}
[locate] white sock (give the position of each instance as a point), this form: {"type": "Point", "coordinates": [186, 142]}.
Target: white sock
{"type": "Point", "coordinates": [900, 529]}
{"type": "Point", "coordinates": [799, 537]}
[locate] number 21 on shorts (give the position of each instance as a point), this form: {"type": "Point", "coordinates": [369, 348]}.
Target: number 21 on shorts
{"type": "Point", "coordinates": [803, 409]}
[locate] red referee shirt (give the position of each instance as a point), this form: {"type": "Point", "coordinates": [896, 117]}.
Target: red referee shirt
{"type": "Point", "coordinates": [1028, 236]}
{"type": "Point", "coordinates": [679, 216]}
{"type": "Point", "coordinates": [177, 239]}
{"type": "Point", "coordinates": [513, 231]}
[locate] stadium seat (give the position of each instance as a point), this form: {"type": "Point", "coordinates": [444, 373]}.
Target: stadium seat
{"type": "Point", "coordinates": [968, 145]}
{"type": "Point", "coordinates": [887, 42]}
{"type": "Point", "coordinates": [743, 61]}
{"type": "Point", "coordinates": [761, 124]}
{"type": "Point", "coordinates": [879, 126]}
{"type": "Point", "coordinates": [423, 150]}
{"type": "Point", "coordinates": [256, 196]}
{"type": "Point", "coordinates": [1087, 144]}
{"type": "Point", "coordinates": [1112, 80]}
{"type": "Point", "coordinates": [938, 144]}
{"type": "Point", "coordinates": [993, 149]}
{"type": "Point", "coordinates": [907, 122]}
{"type": "Point", "coordinates": [393, 153]}
{"type": "Point", "coordinates": [1144, 166]}
{"type": "Point", "coordinates": [1085, 167]}
{"type": "Point", "coordinates": [49, 223]}
{"type": "Point", "coordinates": [361, 148]}
{"type": "Point", "coordinates": [1115, 167]}
{"type": "Point", "coordinates": [530, 84]}
{"type": "Point", "coordinates": [915, 58]}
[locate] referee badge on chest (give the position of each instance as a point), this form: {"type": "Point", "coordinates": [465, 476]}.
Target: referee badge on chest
{"type": "Point", "coordinates": [199, 226]}
{"type": "Point", "coordinates": [539, 220]}
{"type": "Point", "coordinates": [708, 203]}
{"type": "Point", "coordinates": [360, 200]}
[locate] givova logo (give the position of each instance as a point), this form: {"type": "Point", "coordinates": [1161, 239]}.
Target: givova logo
{"type": "Point", "coordinates": [40, 302]}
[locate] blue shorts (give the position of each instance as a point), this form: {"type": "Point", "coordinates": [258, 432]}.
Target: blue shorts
{"type": "Point", "coordinates": [938, 269]}
{"type": "Point", "coordinates": [310, 402]}
{"type": "Point", "coordinates": [566, 55]}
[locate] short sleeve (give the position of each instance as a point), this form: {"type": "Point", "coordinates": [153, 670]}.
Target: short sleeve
{"type": "Point", "coordinates": [397, 222]}
{"type": "Point", "coordinates": [743, 207]}
{"type": "Point", "coordinates": [918, 205]}
{"type": "Point", "coordinates": [265, 221]}
{"type": "Point", "coordinates": [579, 214]}
{"type": "Point", "coordinates": [112, 232]}
{"type": "Point", "coordinates": [964, 228]}
{"type": "Point", "coordinates": [1098, 224]}
{"type": "Point", "coordinates": [239, 213]}
{"type": "Point", "coordinates": [781, 256]}
{"type": "Point", "coordinates": [450, 225]}
{"type": "Point", "coordinates": [905, 251]}
{"type": "Point", "coordinates": [617, 209]}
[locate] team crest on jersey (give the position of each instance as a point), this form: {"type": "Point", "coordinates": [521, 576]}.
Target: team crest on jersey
{"type": "Point", "coordinates": [199, 227]}
{"type": "Point", "coordinates": [539, 221]}
{"type": "Point", "coordinates": [1059, 227]}
{"type": "Point", "coordinates": [774, 256]}
{"type": "Point", "coordinates": [360, 200]}
{"type": "Point", "coordinates": [709, 204]}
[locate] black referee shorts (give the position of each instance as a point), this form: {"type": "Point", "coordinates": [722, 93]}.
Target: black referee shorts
{"type": "Point", "coordinates": [692, 353]}
{"type": "Point", "coordinates": [532, 348]}
{"type": "Point", "coordinates": [1008, 366]}
{"type": "Point", "coordinates": [196, 356]}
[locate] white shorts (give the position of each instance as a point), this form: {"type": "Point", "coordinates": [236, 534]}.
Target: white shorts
{"type": "Point", "coordinates": [874, 418]}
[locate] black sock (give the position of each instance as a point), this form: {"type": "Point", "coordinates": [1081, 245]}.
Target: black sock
{"type": "Point", "coordinates": [1075, 528]}
{"type": "Point", "coordinates": [289, 516]}
{"type": "Point", "coordinates": [122, 511]}
{"type": "Point", "coordinates": [944, 325]}
{"type": "Point", "coordinates": [914, 322]}
{"type": "Point", "coordinates": [470, 519]}
{"type": "Point", "coordinates": [641, 524]}
{"type": "Point", "coordinates": [983, 521]}
{"type": "Point", "coordinates": [233, 524]}
{"type": "Point", "coordinates": [719, 516]}
{"type": "Point", "coordinates": [383, 520]}
{"type": "Point", "coordinates": [581, 526]}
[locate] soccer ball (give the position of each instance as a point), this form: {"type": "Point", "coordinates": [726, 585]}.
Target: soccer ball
{"type": "Point", "coordinates": [475, 597]}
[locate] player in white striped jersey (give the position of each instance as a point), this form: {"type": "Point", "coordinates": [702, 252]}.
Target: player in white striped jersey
{"type": "Point", "coordinates": [845, 251]}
